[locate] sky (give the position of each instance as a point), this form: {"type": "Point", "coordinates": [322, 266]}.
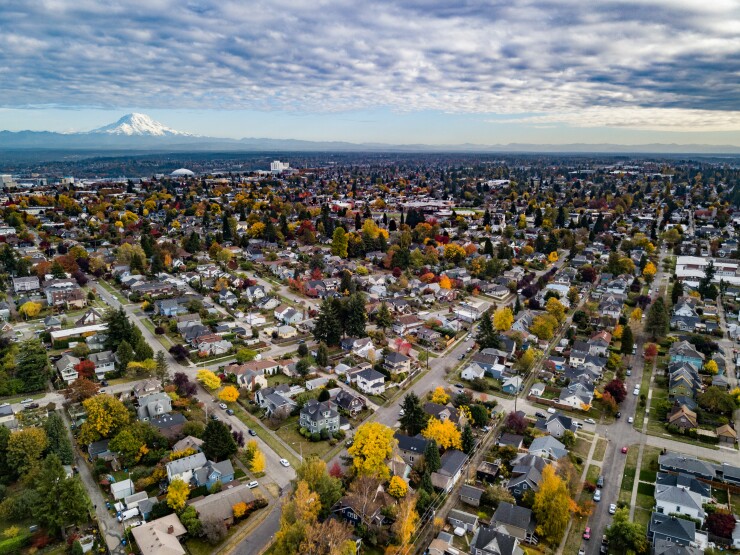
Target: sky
{"type": "Point", "coordinates": [398, 71]}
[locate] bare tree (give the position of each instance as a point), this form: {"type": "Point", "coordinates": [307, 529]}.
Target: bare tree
{"type": "Point", "coordinates": [327, 538]}
{"type": "Point", "coordinates": [214, 529]}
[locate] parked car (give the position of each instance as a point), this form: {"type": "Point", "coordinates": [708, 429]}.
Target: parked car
{"type": "Point", "coordinates": [587, 533]}
{"type": "Point", "coordinates": [636, 391]}
{"type": "Point", "coordinates": [33, 406]}
{"type": "Point", "coordinates": [612, 510]}
{"type": "Point", "coordinates": [284, 462]}
{"type": "Point", "coordinates": [540, 414]}
{"type": "Point", "coordinates": [589, 421]}
{"type": "Point", "coordinates": [600, 482]}
{"type": "Point", "coordinates": [629, 372]}
{"type": "Point", "coordinates": [459, 386]}
{"type": "Point", "coordinates": [214, 417]}
{"type": "Point", "coordinates": [252, 432]}
{"type": "Point", "coordinates": [630, 420]}
{"type": "Point", "coordinates": [597, 495]}
{"type": "Point", "coordinates": [253, 484]}
{"type": "Point", "coordinates": [26, 401]}
{"type": "Point", "coordinates": [582, 551]}
{"type": "Point", "coordinates": [618, 415]}
{"type": "Point", "coordinates": [624, 449]}
{"type": "Point", "coordinates": [222, 406]}
{"type": "Point", "coordinates": [104, 383]}
{"type": "Point", "coordinates": [401, 412]}
{"type": "Point", "coordinates": [230, 412]}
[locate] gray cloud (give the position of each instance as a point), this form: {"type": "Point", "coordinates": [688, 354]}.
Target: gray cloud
{"type": "Point", "coordinates": [507, 57]}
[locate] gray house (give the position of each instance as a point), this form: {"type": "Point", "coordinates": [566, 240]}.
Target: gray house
{"type": "Point", "coordinates": [319, 416]}
{"type": "Point", "coordinates": [153, 405]}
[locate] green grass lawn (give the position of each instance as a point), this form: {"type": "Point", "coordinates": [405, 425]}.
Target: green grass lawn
{"type": "Point", "coordinates": [288, 432]}
{"type": "Point", "coordinates": [593, 473]}
{"type": "Point", "coordinates": [582, 447]}
{"type": "Point", "coordinates": [264, 434]}
{"type": "Point", "coordinates": [575, 536]}
{"type": "Point", "coordinates": [277, 379]}
{"type": "Point", "coordinates": [600, 449]}
{"type": "Point", "coordinates": [650, 456]}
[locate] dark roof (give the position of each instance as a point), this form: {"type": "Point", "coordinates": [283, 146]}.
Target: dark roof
{"type": "Point", "coordinates": [452, 461]}
{"type": "Point", "coordinates": [396, 357]}
{"type": "Point", "coordinates": [170, 420]}
{"type": "Point", "coordinates": [416, 444]}
{"type": "Point", "coordinates": [672, 527]}
{"type": "Point", "coordinates": [506, 513]}
{"type": "Point", "coordinates": [506, 544]}
{"type": "Point", "coordinates": [682, 480]}
{"type": "Point", "coordinates": [471, 492]}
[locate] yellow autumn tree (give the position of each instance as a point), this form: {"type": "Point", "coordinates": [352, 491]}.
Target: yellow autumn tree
{"type": "Point", "coordinates": [552, 506]}
{"type": "Point", "coordinates": [445, 282]}
{"type": "Point", "coordinates": [636, 315]}
{"type": "Point", "coordinates": [406, 520]}
{"type": "Point", "coordinates": [617, 333]}
{"type": "Point", "coordinates": [398, 487]}
{"type": "Point", "coordinates": [440, 396]}
{"type": "Point", "coordinates": [257, 464]}
{"type": "Point", "coordinates": [239, 509]}
{"type": "Point", "coordinates": [454, 253]}
{"type": "Point", "coordinates": [649, 272]}
{"type": "Point", "coordinates": [208, 379]}
{"type": "Point", "coordinates": [503, 318]}
{"type": "Point", "coordinates": [177, 494]}
{"type": "Point", "coordinates": [555, 308]}
{"type": "Point", "coordinates": [373, 444]}
{"type": "Point", "coordinates": [182, 453]}
{"type": "Point", "coordinates": [229, 394]}
{"type": "Point", "coordinates": [711, 367]}
{"type": "Point", "coordinates": [553, 257]}
{"type": "Point", "coordinates": [30, 309]}
{"type": "Point", "coordinates": [106, 415]}
{"type": "Point", "coordinates": [445, 433]}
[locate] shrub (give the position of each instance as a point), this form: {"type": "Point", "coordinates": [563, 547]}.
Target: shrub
{"type": "Point", "coordinates": [14, 545]}
{"type": "Point", "coordinates": [315, 436]}
{"type": "Point", "coordinates": [159, 330]}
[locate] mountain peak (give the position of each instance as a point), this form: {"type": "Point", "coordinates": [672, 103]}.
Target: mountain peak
{"type": "Point", "coordinates": [137, 124]}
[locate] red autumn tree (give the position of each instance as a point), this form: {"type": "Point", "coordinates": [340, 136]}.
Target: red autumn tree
{"type": "Point", "coordinates": [85, 368]}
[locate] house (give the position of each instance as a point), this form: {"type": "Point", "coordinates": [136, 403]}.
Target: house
{"type": "Point", "coordinates": [726, 434]}
{"type": "Point", "coordinates": [511, 440]}
{"type": "Point", "coordinates": [122, 489]}
{"type": "Point", "coordinates": [370, 382]}
{"type": "Point", "coordinates": [316, 383]}
{"type": "Point", "coordinates": [318, 416]}
{"type": "Point", "coordinates": [169, 425]}
{"type": "Point", "coordinates": [287, 315]}
{"type": "Point", "coordinates": [7, 416]}
{"type": "Point", "coordinates": [160, 536]}
{"type": "Point", "coordinates": [449, 473]}
{"type": "Point", "coordinates": [686, 482]}
{"type": "Point", "coordinates": [406, 324]}
{"type": "Point", "coordinates": [488, 541]}
{"type": "Point", "coordinates": [277, 405]}
{"type": "Point", "coordinates": [514, 521]}
{"type": "Point", "coordinates": [487, 472]}
{"type": "Point", "coordinates": [265, 366]}
{"type": "Point", "coordinates": [684, 351]}
{"type": "Point", "coordinates": [667, 547]}
{"type": "Point", "coordinates": [99, 449]}
{"type": "Point", "coordinates": [512, 385]}
{"type": "Point", "coordinates": [671, 528]}
{"type": "Point", "coordinates": [442, 412]}
{"type": "Point", "coordinates": [557, 424]}
{"type": "Point", "coordinates": [146, 387]}
{"type": "Point", "coordinates": [184, 469]}
{"type": "Point", "coordinates": [472, 372]}
{"type": "Point", "coordinates": [396, 363]}
{"type": "Point", "coordinates": [348, 401]}
{"type": "Point", "coordinates": [547, 447]}
{"type": "Point", "coordinates": [154, 404]}
{"type": "Point", "coordinates": [66, 368]}
{"type": "Point", "coordinates": [255, 319]}
{"type": "Point", "coordinates": [104, 361]}
{"type": "Point", "coordinates": [471, 495]}
{"type": "Point", "coordinates": [465, 521]}
{"type": "Point", "coordinates": [526, 475]}
{"type": "Point", "coordinates": [598, 344]}
{"type": "Point", "coordinates": [683, 418]}
{"type": "Point", "coordinates": [537, 390]}
{"type": "Point", "coordinates": [25, 284]}
{"type": "Point", "coordinates": [188, 442]}
{"type": "Point", "coordinates": [220, 505]}
{"type": "Point", "coordinates": [410, 448]}
{"type": "Point", "coordinates": [213, 472]}
{"type": "Point", "coordinates": [677, 499]}
{"type": "Point", "coordinates": [64, 292]}
{"type": "Point", "coordinates": [52, 323]}
{"type": "Point", "coordinates": [366, 512]}
{"type": "Point", "coordinates": [676, 462]}
{"type": "Point", "coordinates": [90, 318]}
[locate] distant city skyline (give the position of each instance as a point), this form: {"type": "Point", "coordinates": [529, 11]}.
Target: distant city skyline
{"type": "Point", "coordinates": [405, 72]}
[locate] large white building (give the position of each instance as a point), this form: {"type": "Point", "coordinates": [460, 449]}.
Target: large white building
{"type": "Point", "coordinates": [691, 269]}
{"type": "Point", "coordinates": [279, 167]}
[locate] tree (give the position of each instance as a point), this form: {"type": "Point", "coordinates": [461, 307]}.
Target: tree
{"type": "Point", "coordinates": [552, 507]}
{"type": "Point", "coordinates": [616, 389]}
{"type": "Point", "coordinates": [81, 389]}
{"type": "Point", "coordinates": [440, 396]}
{"type": "Point", "coordinates": [330, 537]}
{"type": "Point", "coordinates": [721, 524]}
{"type": "Point", "coordinates": [179, 352]}
{"type": "Point", "coordinates": [129, 446]}
{"type": "Point", "coordinates": [218, 444]}
{"type": "Point", "coordinates": [30, 309]}
{"type": "Point", "coordinates": [544, 326]}
{"type": "Point", "coordinates": [527, 359]}
{"type": "Point", "coordinates": [711, 367]}
{"type": "Point", "coordinates": [651, 351]}
{"type": "Point", "coordinates": [625, 535]}
{"type": "Point", "coordinates": [209, 380]}
{"type": "Point", "coordinates": [58, 501]}
{"type": "Point", "coordinates": [445, 282]}
{"type": "Point", "coordinates": [628, 341]}
{"type": "Point", "coordinates": [106, 415]}
{"type": "Point", "coordinates": [610, 404]}
{"type": "Point", "coordinates": [85, 369]}
{"type": "Point", "coordinates": [656, 323]}
{"type": "Point", "coordinates": [516, 423]}
{"type": "Point", "coordinates": [298, 515]}
{"type": "Point", "coordinates": [468, 440]}
{"type": "Point", "coordinates": [717, 400]}
{"type": "Point", "coordinates": [257, 464]}
{"type": "Point", "coordinates": [406, 520]}
{"type": "Point", "coordinates": [398, 487]}
{"type": "Point", "coordinates": [177, 494]}
{"type": "Point", "coordinates": [329, 488]}
{"type": "Point", "coordinates": [213, 529]}
{"type": "Point", "coordinates": [553, 256]}
{"type": "Point", "coordinates": [339, 243]}
{"type": "Point", "coordinates": [636, 315]}
{"type": "Point", "coordinates": [124, 354]}
{"type": "Point", "coordinates": [25, 448]}
{"type": "Point", "coordinates": [383, 317]}
{"type": "Point", "coordinates": [556, 309]}
{"type": "Point", "coordinates": [676, 291]}
{"type": "Point", "coordinates": [414, 418]}
{"type": "Point", "coordinates": [373, 444]}
{"type": "Point", "coordinates": [487, 337]}
{"type": "Point", "coordinates": [328, 328]}
{"type": "Point", "coordinates": [58, 439]}
{"type": "Point", "coordinates": [162, 368]}
{"type": "Point", "coordinates": [229, 394]}
{"type": "Point", "coordinates": [32, 365]}
{"type": "Point", "coordinates": [354, 315]}
{"type": "Point", "coordinates": [322, 355]}
{"type": "Point", "coordinates": [184, 386]}
{"type": "Point", "coordinates": [444, 433]}
{"type": "Point", "coordinates": [119, 328]}
{"type": "Point", "coordinates": [480, 414]}
{"type": "Point", "coordinates": [648, 272]}
{"type": "Point", "coordinates": [706, 288]}
{"type": "Point", "coordinates": [503, 318]}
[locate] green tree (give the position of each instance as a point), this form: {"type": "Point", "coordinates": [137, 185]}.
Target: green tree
{"type": "Point", "coordinates": [628, 341]}
{"type": "Point", "coordinates": [32, 365]}
{"type": "Point", "coordinates": [322, 355]}
{"type": "Point", "coordinates": [624, 535]}
{"type": "Point", "coordinates": [354, 315]}
{"type": "Point", "coordinates": [479, 414]}
{"type": "Point", "coordinates": [218, 444]}
{"type": "Point", "coordinates": [339, 243]}
{"type": "Point", "coordinates": [676, 291]}
{"type": "Point", "coordinates": [313, 472]}
{"type": "Point", "coordinates": [432, 460]}
{"type": "Point", "coordinates": [414, 419]}
{"type": "Point", "coordinates": [468, 440]}
{"type": "Point", "coordinates": [124, 355]}
{"type": "Point", "coordinates": [57, 270]}
{"type": "Point", "coordinates": [328, 328]}
{"type": "Point", "coordinates": [60, 501]}
{"type": "Point", "coordinates": [119, 328]}
{"type": "Point", "coordinates": [487, 337]}
{"type": "Point", "coordinates": [162, 368]}
{"type": "Point", "coordinates": [383, 317]}
{"type": "Point", "coordinates": [59, 443]}
{"type": "Point", "coordinates": [25, 448]}
{"type": "Point", "coordinates": [656, 323]}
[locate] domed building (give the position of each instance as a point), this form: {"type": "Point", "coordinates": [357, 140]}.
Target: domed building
{"type": "Point", "coordinates": [182, 172]}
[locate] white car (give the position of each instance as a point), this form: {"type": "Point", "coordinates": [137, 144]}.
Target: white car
{"type": "Point", "coordinates": [26, 401]}
{"type": "Point", "coordinates": [590, 421]}
{"type": "Point", "coordinates": [612, 509]}
{"type": "Point", "coordinates": [597, 495]}
{"type": "Point", "coordinates": [401, 412]}
{"type": "Point", "coordinates": [284, 462]}
{"type": "Point", "coordinates": [222, 405]}
{"type": "Point", "coordinates": [253, 484]}
{"type": "Point", "coordinates": [636, 391]}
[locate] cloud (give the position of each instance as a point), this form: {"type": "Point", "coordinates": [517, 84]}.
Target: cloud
{"type": "Point", "coordinates": [643, 64]}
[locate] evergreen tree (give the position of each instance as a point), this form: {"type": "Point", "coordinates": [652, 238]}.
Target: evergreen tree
{"type": "Point", "coordinates": [32, 366]}
{"type": "Point", "coordinates": [706, 289]}
{"type": "Point", "coordinates": [157, 262]}
{"type": "Point", "coordinates": [162, 368]}
{"type": "Point", "coordinates": [192, 245]}
{"type": "Point", "coordinates": [119, 328]}
{"type": "Point", "coordinates": [354, 315]}
{"type": "Point", "coordinates": [58, 501]}
{"type": "Point", "coordinates": [676, 291]}
{"type": "Point", "coordinates": [487, 338]}
{"type": "Point", "coordinates": [488, 247]}
{"type": "Point", "coordinates": [218, 444]}
{"type": "Point", "coordinates": [517, 305]}
{"type": "Point", "coordinates": [432, 461]}
{"type": "Point", "coordinates": [383, 317]}
{"type": "Point", "coordinates": [628, 341]}
{"type": "Point", "coordinates": [414, 419]}
{"type": "Point", "coordinates": [322, 355]}
{"type": "Point", "coordinates": [656, 323]}
{"type": "Point", "coordinates": [57, 271]}
{"type": "Point", "coordinates": [468, 440]}
{"type": "Point", "coordinates": [358, 222]}
{"type": "Point", "coordinates": [486, 218]}
{"type": "Point", "coordinates": [59, 442]}
{"type": "Point", "coordinates": [124, 355]}
{"type": "Point", "coordinates": [142, 350]}
{"type": "Point", "coordinates": [328, 328]}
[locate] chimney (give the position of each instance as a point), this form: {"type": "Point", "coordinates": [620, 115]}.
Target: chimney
{"type": "Point", "coordinates": [170, 529]}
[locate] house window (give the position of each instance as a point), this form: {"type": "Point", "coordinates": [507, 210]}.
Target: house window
{"type": "Point", "coordinates": [517, 492]}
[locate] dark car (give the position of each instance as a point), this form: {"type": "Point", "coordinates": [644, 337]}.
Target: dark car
{"type": "Point", "coordinates": [618, 415]}
{"type": "Point", "coordinates": [540, 414]}
{"type": "Point", "coordinates": [600, 482]}
{"type": "Point", "coordinates": [104, 383]}
{"type": "Point", "coordinates": [214, 417]}
{"type": "Point", "coordinates": [252, 432]}
{"type": "Point", "coordinates": [33, 406]}
{"type": "Point", "coordinates": [230, 412]}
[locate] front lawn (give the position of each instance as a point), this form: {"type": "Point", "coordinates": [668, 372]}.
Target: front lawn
{"type": "Point", "coordinates": [288, 432]}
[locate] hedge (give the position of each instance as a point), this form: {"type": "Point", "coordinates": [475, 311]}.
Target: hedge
{"type": "Point", "coordinates": [646, 489]}
{"type": "Point", "coordinates": [14, 545]}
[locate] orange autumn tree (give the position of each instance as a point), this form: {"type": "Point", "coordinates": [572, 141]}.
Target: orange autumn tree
{"type": "Point", "coordinates": [445, 282]}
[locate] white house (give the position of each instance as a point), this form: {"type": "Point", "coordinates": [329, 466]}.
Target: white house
{"type": "Point", "coordinates": [370, 382]}
{"type": "Point", "coordinates": [472, 371]}
{"type": "Point", "coordinates": [678, 499]}
{"type": "Point", "coordinates": [255, 319]}
{"type": "Point", "coordinates": [185, 467]}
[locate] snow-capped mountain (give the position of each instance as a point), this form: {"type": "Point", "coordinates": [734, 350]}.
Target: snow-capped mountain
{"type": "Point", "coordinates": [138, 125]}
